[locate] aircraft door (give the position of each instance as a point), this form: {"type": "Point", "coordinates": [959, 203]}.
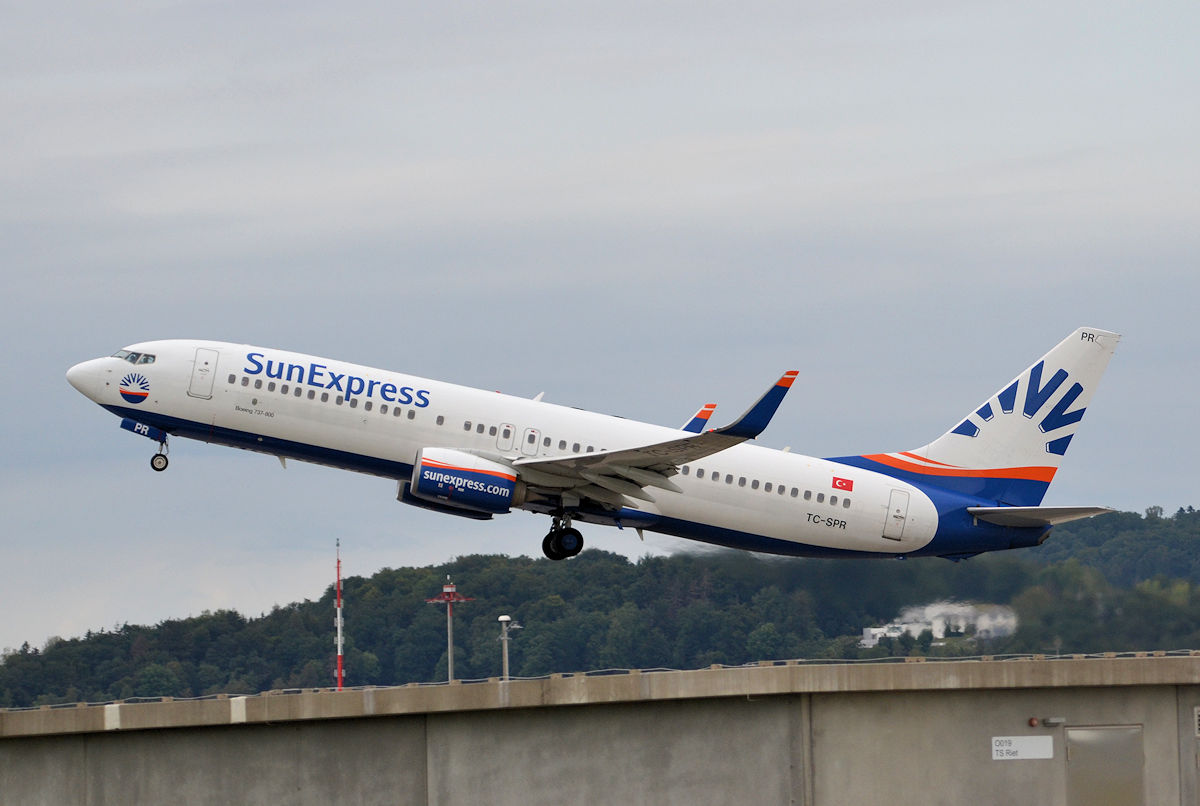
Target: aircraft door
{"type": "Point", "coordinates": [506, 437]}
{"type": "Point", "coordinates": [893, 525]}
{"type": "Point", "coordinates": [204, 371]}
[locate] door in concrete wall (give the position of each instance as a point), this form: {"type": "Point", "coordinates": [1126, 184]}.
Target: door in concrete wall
{"type": "Point", "coordinates": [1105, 766]}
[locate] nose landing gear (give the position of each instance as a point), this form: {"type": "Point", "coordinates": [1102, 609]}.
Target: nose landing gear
{"type": "Point", "coordinates": [563, 541]}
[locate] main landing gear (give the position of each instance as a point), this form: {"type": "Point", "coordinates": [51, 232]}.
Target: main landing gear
{"type": "Point", "coordinates": [563, 541]}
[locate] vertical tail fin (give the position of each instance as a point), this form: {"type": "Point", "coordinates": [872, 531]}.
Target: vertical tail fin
{"type": "Point", "coordinates": [1008, 449]}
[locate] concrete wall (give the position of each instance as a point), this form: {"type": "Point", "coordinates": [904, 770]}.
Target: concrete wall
{"type": "Point", "coordinates": [819, 736]}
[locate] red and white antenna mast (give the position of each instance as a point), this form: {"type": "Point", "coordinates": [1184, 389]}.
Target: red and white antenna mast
{"type": "Point", "coordinates": [338, 620]}
{"type": "Point", "coordinates": [448, 597]}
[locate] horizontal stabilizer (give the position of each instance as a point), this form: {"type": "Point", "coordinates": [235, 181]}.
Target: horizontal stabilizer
{"type": "Point", "coordinates": [1034, 516]}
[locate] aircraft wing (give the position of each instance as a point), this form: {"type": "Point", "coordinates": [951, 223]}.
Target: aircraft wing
{"type": "Point", "coordinates": [613, 477]}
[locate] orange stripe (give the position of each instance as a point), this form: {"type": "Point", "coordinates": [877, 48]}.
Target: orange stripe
{"type": "Point", "coordinates": [443, 466]}
{"type": "Point", "coordinates": [788, 377]}
{"type": "Point", "coordinates": [1045, 474]}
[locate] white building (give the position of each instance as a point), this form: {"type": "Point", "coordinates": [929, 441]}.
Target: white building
{"type": "Point", "coordinates": [942, 618]}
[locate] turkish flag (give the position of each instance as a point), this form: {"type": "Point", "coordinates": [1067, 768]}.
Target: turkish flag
{"type": "Point", "coordinates": [843, 484]}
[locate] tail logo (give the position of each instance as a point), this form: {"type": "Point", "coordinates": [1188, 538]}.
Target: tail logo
{"type": "Point", "coordinates": [1037, 397]}
{"type": "Point", "coordinates": [135, 388]}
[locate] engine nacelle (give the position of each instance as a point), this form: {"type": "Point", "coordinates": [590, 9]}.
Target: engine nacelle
{"type": "Point", "coordinates": [464, 481]}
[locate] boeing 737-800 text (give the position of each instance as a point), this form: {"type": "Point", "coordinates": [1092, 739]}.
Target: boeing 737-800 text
{"type": "Point", "coordinates": [473, 453]}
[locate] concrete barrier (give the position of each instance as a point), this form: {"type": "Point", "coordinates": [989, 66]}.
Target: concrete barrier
{"type": "Point", "coordinates": [818, 735]}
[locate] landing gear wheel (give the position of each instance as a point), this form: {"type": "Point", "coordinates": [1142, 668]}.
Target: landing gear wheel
{"type": "Point", "coordinates": [549, 549]}
{"type": "Point", "coordinates": [569, 541]}
{"type": "Point", "coordinates": [159, 462]}
{"type": "Point", "coordinates": [562, 543]}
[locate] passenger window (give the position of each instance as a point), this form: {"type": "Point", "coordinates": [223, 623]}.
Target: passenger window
{"type": "Point", "coordinates": [575, 448]}
{"type": "Point", "coordinates": [283, 390]}
{"type": "Point", "coordinates": [297, 392]}
{"type": "Point", "coordinates": [366, 406]}
{"type": "Point", "coordinates": [808, 495]}
{"type": "Point", "coordinates": [440, 419]}
{"type": "Point", "coordinates": [699, 472]}
{"type": "Point", "coordinates": [467, 425]}
{"type": "Point", "coordinates": [232, 378]}
{"type": "Point", "coordinates": [820, 498]}
{"type": "Point", "coordinates": [845, 503]}
{"type": "Point", "coordinates": [782, 489]}
{"type": "Point", "coordinates": [258, 383]}
{"type": "Point", "coordinates": [324, 397]}
{"type": "Point", "coordinates": [339, 400]}
{"type": "Point", "coordinates": [795, 492]}
{"type": "Point", "coordinates": [354, 402]}
{"type": "Point", "coordinates": [479, 428]}
{"type": "Point", "coordinates": [396, 412]}
{"type": "Point", "coordinates": [532, 440]}
{"type": "Point", "coordinates": [271, 386]}
{"type": "Point", "coordinates": [833, 500]}
{"type": "Point", "coordinates": [546, 442]}
{"type": "Point", "coordinates": [729, 478]}
{"type": "Point", "coordinates": [312, 393]}
{"type": "Point", "coordinates": [767, 487]}
{"type": "Point", "coordinates": [754, 484]}
{"type": "Point", "coordinates": [383, 408]}
{"type": "Point", "coordinates": [741, 481]}
{"type": "Point", "coordinates": [684, 470]}
{"type": "Point", "coordinates": [412, 413]}
{"type": "Point", "coordinates": [245, 381]}
{"type": "Point", "coordinates": [562, 444]}
{"type": "Point", "coordinates": [590, 449]}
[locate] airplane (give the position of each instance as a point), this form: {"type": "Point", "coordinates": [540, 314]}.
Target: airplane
{"type": "Point", "coordinates": [477, 454]}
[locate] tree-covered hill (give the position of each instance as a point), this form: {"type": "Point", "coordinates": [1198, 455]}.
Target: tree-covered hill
{"type": "Point", "coordinates": [1129, 548]}
{"type": "Point", "coordinates": [1118, 582]}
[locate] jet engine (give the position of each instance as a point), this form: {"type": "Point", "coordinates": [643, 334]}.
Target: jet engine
{"type": "Point", "coordinates": [462, 483]}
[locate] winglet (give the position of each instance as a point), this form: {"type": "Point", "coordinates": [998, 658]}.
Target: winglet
{"type": "Point", "coordinates": [697, 423]}
{"type": "Point", "coordinates": [754, 421]}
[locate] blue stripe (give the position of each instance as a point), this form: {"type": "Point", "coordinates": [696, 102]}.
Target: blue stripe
{"type": "Point", "coordinates": [983, 490]}
{"type": "Point", "coordinates": [250, 441]}
{"type": "Point", "coordinates": [956, 534]}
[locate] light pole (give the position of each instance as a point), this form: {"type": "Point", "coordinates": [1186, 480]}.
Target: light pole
{"type": "Point", "coordinates": [506, 624]}
{"type": "Point", "coordinates": [449, 596]}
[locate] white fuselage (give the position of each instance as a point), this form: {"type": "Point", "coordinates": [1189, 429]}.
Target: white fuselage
{"type": "Point", "coordinates": [298, 406]}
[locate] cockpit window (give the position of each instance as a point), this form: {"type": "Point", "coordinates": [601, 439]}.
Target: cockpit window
{"type": "Point", "coordinates": [134, 358]}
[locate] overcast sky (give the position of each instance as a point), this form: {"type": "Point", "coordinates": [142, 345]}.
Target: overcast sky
{"type": "Point", "coordinates": [635, 208]}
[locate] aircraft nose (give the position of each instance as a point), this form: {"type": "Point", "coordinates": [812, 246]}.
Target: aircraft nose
{"type": "Point", "coordinates": [82, 376]}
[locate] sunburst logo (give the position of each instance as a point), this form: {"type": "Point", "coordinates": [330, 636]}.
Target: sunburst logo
{"type": "Point", "coordinates": [1037, 397]}
{"type": "Point", "coordinates": [135, 388]}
